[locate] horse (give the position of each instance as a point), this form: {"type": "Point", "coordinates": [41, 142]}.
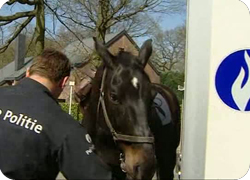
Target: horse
{"type": "Point", "coordinates": [133, 123]}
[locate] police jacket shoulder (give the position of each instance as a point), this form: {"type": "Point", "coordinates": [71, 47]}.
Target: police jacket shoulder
{"type": "Point", "coordinates": [32, 120]}
{"type": "Point", "coordinates": [34, 100]}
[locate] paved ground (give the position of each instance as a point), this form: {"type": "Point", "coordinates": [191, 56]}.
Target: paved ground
{"type": "Point", "coordinates": [60, 177]}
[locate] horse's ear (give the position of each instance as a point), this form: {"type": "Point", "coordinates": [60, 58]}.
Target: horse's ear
{"type": "Point", "coordinates": [145, 52]}
{"type": "Point", "coordinates": [103, 52]}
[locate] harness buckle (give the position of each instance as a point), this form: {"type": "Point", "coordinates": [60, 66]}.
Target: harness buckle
{"type": "Point", "coordinates": [122, 165]}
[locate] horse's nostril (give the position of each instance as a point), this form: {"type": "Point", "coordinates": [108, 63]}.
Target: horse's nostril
{"type": "Point", "coordinates": [136, 169]}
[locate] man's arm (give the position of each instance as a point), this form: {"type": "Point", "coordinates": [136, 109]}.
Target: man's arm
{"type": "Point", "coordinates": [76, 161]}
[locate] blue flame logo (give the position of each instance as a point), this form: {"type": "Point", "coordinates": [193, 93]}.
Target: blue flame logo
{"type": "Point", "coordinates": [232, 80]}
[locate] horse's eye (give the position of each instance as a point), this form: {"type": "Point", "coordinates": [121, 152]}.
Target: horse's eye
{"type": "Point", "coordinates": [114, 98]}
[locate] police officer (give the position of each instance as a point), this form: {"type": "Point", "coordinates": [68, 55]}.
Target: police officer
{"type": "Point", "coordinates": [37, 138]}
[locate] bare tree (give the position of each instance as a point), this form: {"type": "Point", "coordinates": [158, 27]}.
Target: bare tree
{"type": "Point", "coordinates": [102, 16]}
{"type": "Point", "coordinates": [171, 7]}
{"type": "Point", "coordinates": [84, 17]}
{"type": "Point", "coordinates": [139, 25]}
{"type": "Point", "coordinates": [1, 36]}
{"type": "Point", "coordinates": [22, 19]}
{"type": "Point", "coordinates": [169, 48]}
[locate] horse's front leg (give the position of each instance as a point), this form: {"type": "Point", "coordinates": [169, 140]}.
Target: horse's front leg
{"type": "Point", "coordinates": [165, 147]}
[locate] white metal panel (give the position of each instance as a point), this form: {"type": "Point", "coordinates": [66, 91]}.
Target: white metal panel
{"type": "Point", "coordinates": [196, 88]}
{"type": "Point", "coordinates": [228, 150]}
{"type": "Point", "coordinates": [215, 136]}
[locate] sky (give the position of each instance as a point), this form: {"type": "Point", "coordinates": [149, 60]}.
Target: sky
{"type": "Point", "coordinates": [168, 22]}
{"type": "Point", "coordinates": [173, 21]}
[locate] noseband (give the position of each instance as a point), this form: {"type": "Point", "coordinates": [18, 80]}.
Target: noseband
{"type": "Point", "coordinates": [117, 136]}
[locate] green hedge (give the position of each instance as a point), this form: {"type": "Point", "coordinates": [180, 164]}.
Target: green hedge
{"type": "Point", "coordinates": [172, 80]}
{"type": "Point", "coordinates": [74, 110]}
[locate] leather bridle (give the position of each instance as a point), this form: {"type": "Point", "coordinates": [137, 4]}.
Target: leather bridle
{"type": "Point", "coordinates": [117, 136]}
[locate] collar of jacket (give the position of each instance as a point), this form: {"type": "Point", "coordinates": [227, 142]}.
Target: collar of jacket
{"type": "Point", "coordinates": [35, 86]}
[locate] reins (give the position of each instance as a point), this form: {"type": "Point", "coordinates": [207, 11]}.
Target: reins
{"type": "Point", "coordinates": [117, 136]}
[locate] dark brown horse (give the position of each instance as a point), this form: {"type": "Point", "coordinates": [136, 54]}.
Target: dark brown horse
{"type": "Point", "coordinates": [134, 124]}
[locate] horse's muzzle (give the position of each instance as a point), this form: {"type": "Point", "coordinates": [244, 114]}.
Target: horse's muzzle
{"type": "Point", "coordinates": [139, 161]}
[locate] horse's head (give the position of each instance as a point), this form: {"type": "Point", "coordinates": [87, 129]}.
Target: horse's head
{"type": "Point", "coordinates": [128, 98]}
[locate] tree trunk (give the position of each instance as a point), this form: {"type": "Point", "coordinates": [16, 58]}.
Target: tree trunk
{"type": "Point", "coordinates": [40, 27]}
{"type": "Point", "coordinates": [102, 19]}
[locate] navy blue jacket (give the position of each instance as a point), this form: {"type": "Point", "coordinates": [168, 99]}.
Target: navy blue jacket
{"type": "Point", "coordinates": [38, 139]}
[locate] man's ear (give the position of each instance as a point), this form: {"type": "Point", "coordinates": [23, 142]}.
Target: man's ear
{"type": "Point", "coordinates": [63, 82]}
{"type": "Point", "coordinates": [27, 73]}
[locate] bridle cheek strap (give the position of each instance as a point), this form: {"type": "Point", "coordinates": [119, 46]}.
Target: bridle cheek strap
{"type": "Point", "coordinates": [116, 136]}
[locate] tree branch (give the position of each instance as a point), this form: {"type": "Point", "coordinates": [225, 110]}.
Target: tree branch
{"type": "Point", "coordinates": [17, 32]}
{"type": "Point", "coordinates": [2, 32]}
{"type": "Point", "coordinates": [128, 15]}
{"type": "Point", "coordinates": [34, 2]}
{"type": "Point", "coordinates": [31, 41]}
{"type": "Point", "coordinates": [118, 8]}
{"type": "Point", "coordinates": [18, 15]}
{"type": "Point", "coordinates": [5, 23]}
{"type": "Point", "coordinates": [89, 11]}
{"type": "Point", "coordinates": [59, 19]}
{"type": "Point", "coordinates": [48, 31]}
{"type": "Point", "coordinates": [10, 2]}
{"type": "Point", "coordinates": [76, 22]}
